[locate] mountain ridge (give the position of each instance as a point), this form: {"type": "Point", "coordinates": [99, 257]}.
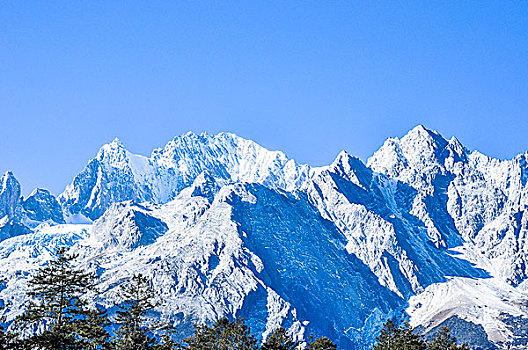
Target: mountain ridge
{"type": "Point", "coordinates": [212, 219]}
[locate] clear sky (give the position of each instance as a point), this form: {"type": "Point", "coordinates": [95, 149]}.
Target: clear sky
{"type": "Point", "coordinates": [307, 77]}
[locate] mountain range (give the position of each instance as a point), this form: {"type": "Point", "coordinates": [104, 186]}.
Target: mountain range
{"type": "Point", "coordinates": [425, 230]}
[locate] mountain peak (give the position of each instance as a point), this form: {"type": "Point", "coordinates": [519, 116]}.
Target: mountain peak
{"type": "Point", "coordinates": [456, 144]}
{"type": "Point", "coordinates": [205, 186]}
{"type": "Point", "coordinates": [343, 155]}
{"type": "Point", "coordinates": [8, 176]}
{"type": "Point", "coordinates": [420, 135]}
{"type": "Point", "coordinates": [41, 205]}
{"type": "Point", "coordinates": [347, 161]}
{"type": "Point", "coordinates": [9, 194]}
{"type": "Point", "coordinates": [420, 128]}
{"type": "Point", "coordinates": [9, 180]}
{"type": "Point", "coordinates": [113, 152]}
{"type": "Point", "coordinates": [117, 142]}
{"type": "Point", "coordinates": [456, 150]}
{"type": "Point", "coordinates": [420, 151]}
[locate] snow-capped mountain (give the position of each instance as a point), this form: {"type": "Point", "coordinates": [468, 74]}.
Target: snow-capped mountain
{"type": "Point", "coordinates": [115, 174]}
{"type": "Point", "coordinates": [425, 230]}
{"type": "Point", "coordinates": [19, 215]}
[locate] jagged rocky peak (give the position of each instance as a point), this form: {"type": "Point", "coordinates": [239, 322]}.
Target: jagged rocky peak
{"type": "Point", "coordinates": [205, 144]}
{"type": "Point", "coordinates": [114, 153]}
{"type": "Point", "coordinates": [205, 186]}
{"type": "Point", "coordinates": [457, 149]}
{"type": "Point", "coordinates": [114, 175]}
{"type": "Point", "coordinates": [42, 206]}
{"type": "Point", "coordinates": [351, 168]}
{"type": "Point", "coordinates": [10, 209]}
{"type": "Point", "coordinates": [128, 225]}
{"type": "Point", "coordinates": [418, 156]}
{"type": "Point", "coordinates": [9, 195]}
{"type": "Point", "coordinates": [417, 147]}
{"type": "Point", "coordinates": [421, 139]}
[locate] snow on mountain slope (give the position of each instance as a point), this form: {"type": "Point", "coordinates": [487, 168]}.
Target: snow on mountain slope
{"type": "Point", "coordinates": [471, 203]}
{"type": "Point", "coordinates": [255, 252]}
{"type": "Point", "coordinates": [375, 214]}
{"type": "Point", "coordinates": [116, 175]}
{"type": "Point", "coordinates": [463, 197]}
{"type": "Point", "coordinates": [226, 227]}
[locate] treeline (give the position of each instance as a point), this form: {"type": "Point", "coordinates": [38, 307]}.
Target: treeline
{"type": "Point", "coordinates": [59, 317]}
{"type": "Point", "coordinates": [403, 337]}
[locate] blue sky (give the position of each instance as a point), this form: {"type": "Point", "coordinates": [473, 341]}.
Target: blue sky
{"type": "Point", "coordinates": [307, 77]}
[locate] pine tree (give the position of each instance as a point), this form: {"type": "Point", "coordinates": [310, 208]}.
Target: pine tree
{"type": "Point", "coordinates": [138, 298]}
{"type": "Point", "coordinates": [409, 340]}
{"type": "Point", "coordinates": [388, 336]}
{"type": "Point", "coordinates": [443, 340]}
{"type": "Point", "coordinates": [223, 335]}
{"type": "Point", "coordinates": [399, 338]}
{"type": "Point", "coordinates": [279, 339]}
{"type": "Point", "coordinates": [8, 340]}
{"type": "Point", "coordinates": [166, 343]}
{"type": "Point", "coordinates": [93, 330]}
{"type": "Point", "coordinates": [321, 343]}
{"type": "Point", "coordinates": [57, 305]}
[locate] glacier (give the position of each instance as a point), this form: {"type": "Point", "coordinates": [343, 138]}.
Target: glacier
{"type": "Point", "coordinates": [424, 230]}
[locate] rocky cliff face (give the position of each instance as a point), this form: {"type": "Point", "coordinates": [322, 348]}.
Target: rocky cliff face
{"type": "Point", "coordinates": [42, 206]}
{"type": "Point", "coordinates": [19, 216]}
{"type": "Point", "coordinates": [9, 195]}
{"type": "Point", "coordinates": [426, 229]}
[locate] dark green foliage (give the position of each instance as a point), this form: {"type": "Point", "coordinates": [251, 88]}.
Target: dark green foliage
{"type": "Point", "coordinates": [443, 340]}
{"type": "Point", "coordinates": [166, 343]}
{"type": "Point", "coordinates": [138, 298]}
{"type": "Point", "coordinates": [8, 340]}
{"type": "Point", "coordinates": [223, 335]}
{"type": "Point", "coordinates": [279, 340]}
{"type": "Point", "coordinates": [93, 330]}
{"type": "Point", "coordinates": [387, 337]}
{"type": "Point", "coordinates": [410, 340]}
{"type": "Point", "coordinates": [57, 303]}
{"type": "Point", "coordinates": [322, 343]}
{"type": "Point", "coordinates": [392, 337]}
{"type": "Point", "coordinates": [399, 338]}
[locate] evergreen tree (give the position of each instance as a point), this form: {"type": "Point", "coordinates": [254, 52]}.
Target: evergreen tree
{"type": "Point", "coordinates": [223, 335]}
{"type": "Point", "coordinates": [443, 340]}
{"type": "Point", "coordinates": [8, 340]}
{"type": "Point", "coordinates": [166, 343]}
{"type": "Point", "coordinates": [57, 291]}
{"type": "Point", "coordinates": [321, 343]}
{"type": "Point", "coordinates": [409, 340]}
{"type": "Point", "coordinates": [399, 338]}
{"type": "Point", "coordinates": [93, 330]}
{"type": "Point", "coordinates": [138, 298]}
{"type": "Point", "coordinates": [387, 337]}
{"type": "Point", "coordinates": [279, 339]}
